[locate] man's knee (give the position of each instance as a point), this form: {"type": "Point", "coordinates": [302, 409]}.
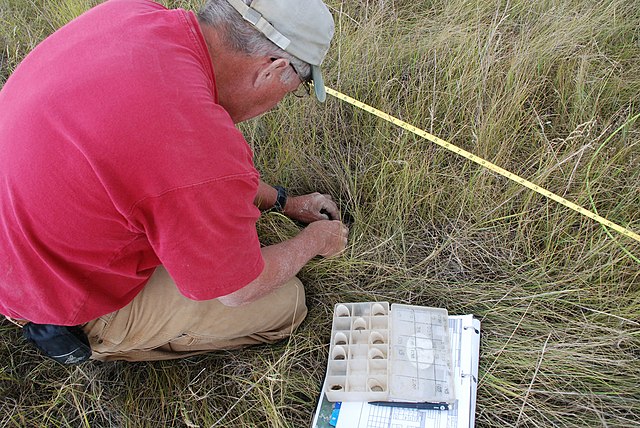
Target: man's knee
{"type": "Point", "coordinates": [294, 293]}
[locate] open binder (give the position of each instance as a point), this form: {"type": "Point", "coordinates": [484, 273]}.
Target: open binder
{"type": "Point", "coordinates": [464, 335]}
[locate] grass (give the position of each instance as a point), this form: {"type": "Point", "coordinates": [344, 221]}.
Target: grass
{"type": "Point", "coordinates": [545, 89]}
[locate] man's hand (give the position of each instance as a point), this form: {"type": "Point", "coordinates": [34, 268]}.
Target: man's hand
{"type": "Point", "coordinates": [311, 207]}
{"type": "Point", "coordinates": [331, 235]}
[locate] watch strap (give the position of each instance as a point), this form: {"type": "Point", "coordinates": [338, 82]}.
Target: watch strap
{"type": "Point", "coordinates": [281, 199]}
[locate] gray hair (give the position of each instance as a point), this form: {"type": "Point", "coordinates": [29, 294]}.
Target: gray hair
{"type": "Point", "coordinates": [241, 36]}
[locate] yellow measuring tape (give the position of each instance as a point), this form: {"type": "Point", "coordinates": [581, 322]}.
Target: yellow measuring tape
{"type": "Point", "coordinates": [482, 162]}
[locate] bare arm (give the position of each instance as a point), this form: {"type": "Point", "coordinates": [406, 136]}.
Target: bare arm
{"type": "Point", "coordinates": [266, 197]}
{"type": "Point", "coordinates": [285, 259]}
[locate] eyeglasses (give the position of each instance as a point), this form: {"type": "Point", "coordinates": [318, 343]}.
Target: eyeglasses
{"type": "Point", "coordinates": [304, 89]}
{"type": "Point", "coordinates": [305, 85]}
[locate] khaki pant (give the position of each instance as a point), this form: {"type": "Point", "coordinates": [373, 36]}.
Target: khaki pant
{"type": "Point", "coordinates": [161, 324]}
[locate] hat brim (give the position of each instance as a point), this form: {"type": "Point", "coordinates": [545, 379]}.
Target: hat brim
{"type": "Point", "coordinates": [318, 83]}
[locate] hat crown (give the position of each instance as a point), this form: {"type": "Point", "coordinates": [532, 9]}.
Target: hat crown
{"type": "Point", "coordinates": [307, 24]}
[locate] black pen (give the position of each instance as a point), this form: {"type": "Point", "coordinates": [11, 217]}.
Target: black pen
{"type": "Point", "coordinates": [420, 406]}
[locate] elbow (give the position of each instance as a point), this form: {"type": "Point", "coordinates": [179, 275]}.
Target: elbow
{"type": "Point", "coordinates": [247, 294]}
{"type": "Point", "coordinates": [232, 301]}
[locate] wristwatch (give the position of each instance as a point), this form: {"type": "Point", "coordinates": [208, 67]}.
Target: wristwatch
{"type": "Point", "coordinates": [281, 199]}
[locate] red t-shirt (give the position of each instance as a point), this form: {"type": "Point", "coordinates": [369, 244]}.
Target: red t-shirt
{"type": "Point", "coordinates": [115, 157]}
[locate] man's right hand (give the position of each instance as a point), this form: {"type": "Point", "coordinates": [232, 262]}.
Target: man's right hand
{"type": "Point", "coordinates": [330, 234]}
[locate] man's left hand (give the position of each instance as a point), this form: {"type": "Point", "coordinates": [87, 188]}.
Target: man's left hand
{"type": "Point", "coordinates": [311, 207]}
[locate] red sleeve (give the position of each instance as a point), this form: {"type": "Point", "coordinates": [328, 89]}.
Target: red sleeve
{"type": "Point", "coordinates": [205, 235]}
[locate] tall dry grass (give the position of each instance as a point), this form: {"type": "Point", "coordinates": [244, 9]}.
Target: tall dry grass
{"type": "Point", "coordinates": [545, 89]}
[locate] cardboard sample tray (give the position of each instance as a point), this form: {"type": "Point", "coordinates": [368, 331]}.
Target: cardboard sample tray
{"type": "Point", "coordinates": [389, 353]}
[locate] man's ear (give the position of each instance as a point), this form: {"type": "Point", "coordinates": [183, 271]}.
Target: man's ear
{"type": "Point", "coordinates": [270, 71]}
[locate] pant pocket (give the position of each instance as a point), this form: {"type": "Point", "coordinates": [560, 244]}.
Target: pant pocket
{"type": "Point", "coordinates": [96, 329]}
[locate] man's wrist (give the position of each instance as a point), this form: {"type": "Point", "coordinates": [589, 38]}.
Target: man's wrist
{"type": "Point", "coordinates": [281, 199]}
